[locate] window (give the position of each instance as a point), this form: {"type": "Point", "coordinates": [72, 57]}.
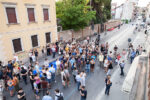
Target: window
{"type": "Point", "coordinates": [34, 41]}
{"type": "Point", "coordinates": [31, 15]}
{"type": "Point", "coordinates": [11, 15]}
{"type": "Point", "coordinates": [48, 37]}
{"type": "Point", "coordinates": [17, 45]}
{"type": "Point", "coordinates": [46, 14]}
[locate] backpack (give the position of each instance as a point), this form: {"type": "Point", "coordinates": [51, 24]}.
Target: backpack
{"type": "Point", "coordinates": [60, 97]}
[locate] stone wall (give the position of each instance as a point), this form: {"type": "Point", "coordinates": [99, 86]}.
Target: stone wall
{"type": "Point", "coordinates": [87, 31]}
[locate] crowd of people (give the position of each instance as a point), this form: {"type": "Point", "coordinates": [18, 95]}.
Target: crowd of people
{"type": "Point", "coordinates": [78, 60]}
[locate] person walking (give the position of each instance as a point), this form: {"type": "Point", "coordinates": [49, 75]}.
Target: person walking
{"type": "Point", "coordinates": [21, 95]}
{"type": "Point", "coordinates": [58, 95]}
{"type": "Point", "coordinates": [108, 85]}
{"type": "Point", "coordinates": [58, 66]}
{"type": "Point", "coordinates": [78, 80]}
{"type": "Point", "coordinates": [46, 62]}
{"type": "Point", "coordinates": [24, 75]}
{"type": "Point", "coordinates": [47, 96]}
{"type": "Point", "coordinates": [82, 75]}
{"type": "Point", "coordinates": [74, 73]}
{"type": "Point", "coordinates": [122, 64]}
{"type": "Point", "coordinates": [10, 86]}
{"type": "Point", "coordinates": [30, 56]}
{"type": "Point", "coordinates": [110, 67]}
{"type": "Point", "coordinates": [66, 71]}
{"type": "Point", "coordinates": [63, 78]}
{"type": "Point", "coordinates": [36, 54]}
{"type": "Point", "coordinates": [87, 64]}
{"type": "Point", "coordinates": [53, 51]}
{"type": "Point", "coordinates": [106, 62]}
{"type": "Point", "coordinates": [48, 77]}
{"type": "Point", "coordinates": [101, 59]}
{"type": "Point", "coordinates": [44, 85]}
{"type": "Point", "coordinates": [43, 51]}
{"type": "Point", "coordinates": [52, 70]}
{"type": "Point", "coordinates": [16, 83]}
{"type": "Point", "coordinates": [36, 90]}
{"type": "Point", "coordinates": [123, 53]}
{"type": "Point", "coordinates": [132, 56]}
{"type": "Point", "coordinates": [92, 62]}
{"type": "Point", "coordinates": [31, 76]}
{"type": "Point", "coordinates": [83, 93]}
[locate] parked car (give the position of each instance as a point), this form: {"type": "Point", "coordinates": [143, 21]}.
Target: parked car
{"type": "Point", "coordinates": [110, 29]}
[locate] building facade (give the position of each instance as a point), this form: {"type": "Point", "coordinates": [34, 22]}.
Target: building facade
{"type": "Point", "coordinates": [119, 12]}
{"type": "Point", "coordinates": [129, 9]}
{"type": "Point", "coordinates": [25, 25]}
{"type": "Point", "coordinates": [148, 14]}
{"type": "Point", "coordinates": [113, 10]}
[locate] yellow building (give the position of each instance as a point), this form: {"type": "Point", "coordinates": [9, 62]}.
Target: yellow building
{"type": "Point", "coordinates": [26, 24]}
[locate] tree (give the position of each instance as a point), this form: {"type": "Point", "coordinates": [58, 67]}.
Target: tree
{"type": "Point", "coordinates": [74, 14]}
{"type": "Point", "coordinates": [102, 14]}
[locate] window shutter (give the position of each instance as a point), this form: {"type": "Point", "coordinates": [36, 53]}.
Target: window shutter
{"type": "Point", "coordinates": [34, 41]}
{"type": "Point", "coordinates": [46, 15]}
{"type": "Point", "coordinates": [11, 15]}
{"type": "Point", "coordinates": [31, 15]}
{"type": "Point", "coordinates": [48, 38]}
{"type": "Point", "coordinates": [17, 45]}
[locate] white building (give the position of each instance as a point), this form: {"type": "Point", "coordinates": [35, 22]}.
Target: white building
{"type": "Point", "coordinates": [127, 10]}
{"type": "Point", "coordinates": [119, 12]}
{"type": "Point", "coordinates": [113, 10]}
{"type": "Point", "coordinates": [148, 14]}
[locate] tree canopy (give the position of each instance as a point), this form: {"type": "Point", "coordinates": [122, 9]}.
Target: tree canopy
{"type": "Point", "coordinates": [74, 14]}
{"type": "Point", "coordinates": [103, 10]}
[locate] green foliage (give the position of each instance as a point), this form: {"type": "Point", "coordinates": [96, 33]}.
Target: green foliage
{"type": "Point", "coordinates": [74, 14]}
{"type": "Point", "coordinates": [103, 10]}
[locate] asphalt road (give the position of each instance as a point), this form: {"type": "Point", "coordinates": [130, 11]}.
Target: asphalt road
{"type": "Point", "coordinates": [95, 81]}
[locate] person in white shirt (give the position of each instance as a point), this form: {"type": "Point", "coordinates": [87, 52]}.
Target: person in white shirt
{"type": "Point", "coordinates": [78, 79]}
{"type": "Point", "coordinates": [101, 59]}
{"type": "Point", "coordinates": [58, 66]}
{"type": "Point", "coordinates": [16, 57]}
{"type": "Point", "coordinates": [106, 64]}
{"type": "Point", "coordinates": [33, 58]}
{"type": "Point", "coordinates": [63, 78]}
{"type": "Point", "coordinates": [37, 66]}
{"type": "Point", "coordinates": [47, 96]}
{"type": "Point", "coordinates": [53, 51]}
{"type": "Point", "coordinates": [82, 81]}
{"type": "Point", "coordinates": [52, 70]}
{"type": "Point", "coordinates": [49, 77]}
{"type": "Point", "coordinates": [46, 62]}
{"type": "Point", "coordinates": [25, 67]}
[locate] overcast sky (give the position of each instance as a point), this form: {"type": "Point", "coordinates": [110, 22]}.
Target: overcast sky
{"type": "Point", "coordinates": [142, 3]}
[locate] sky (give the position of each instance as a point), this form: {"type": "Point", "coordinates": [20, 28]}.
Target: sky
{"type": "Point", "coordinates": [141, 3]}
